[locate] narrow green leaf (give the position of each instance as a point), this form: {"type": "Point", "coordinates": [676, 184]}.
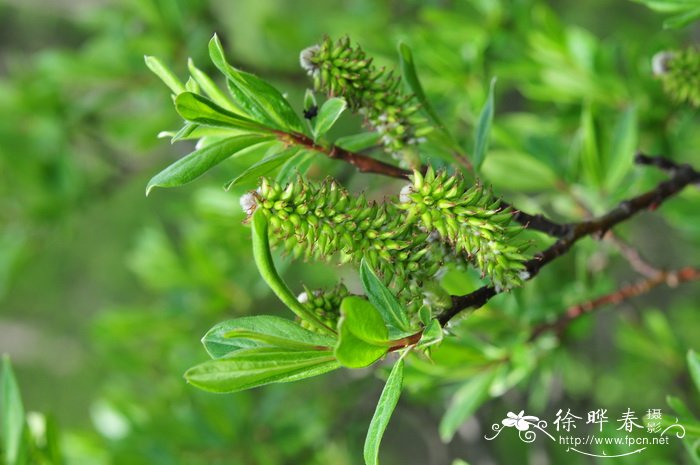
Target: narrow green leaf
{"type": "Point", "coordinates": [694, 368]}
{"type": "Point", "coordinates": [683, 19]}
{"type": "Point", "coordinates": [192, 86]}
{"type": "Point", "coordinates": [263, 167]}
{"type": "Point", "coordinates": [297, 165]}
{"type": "Point", "coordinates": [410, 77]}
{"type": "Point", "coordinates": [383, 300]}
{"type": "Point", "coordinates": [432, 334]}
{"type": "Point", "coordinates": [327, 116]}
{"type": "Point", "coordinates": [624, 144]}
{"type": "Point", "coordinates": [249, 368]}
{"type": "Point", "coordinates": [267, 270]}
{"type": "Point", "coordinates": [483, 128]}
{"type": "Point", "coordinates": [198, 109]}
{"type": "Point", "coordinates": [261, 331]}
{"type": "Point", "coordinates": [517, 171]}
{"type": "Point", "coordinates": [260, 100]}
{"type": "Point", "coordinates": [200, 161]}
{"type": "Point", "coordinates": [382, 414]}
{"type": "Point", "coordinates": [165, 75]}
{"type": "Point", "coordinates": [465, 402]}
{"type": "Point", "coordinates": [12, 412]}
{"type": "Point", "coordinates": [210, 88]}
{"type": "Point", "coordinates": [590, 155]}
{"type": "Point", "coordinates": [358, 142]}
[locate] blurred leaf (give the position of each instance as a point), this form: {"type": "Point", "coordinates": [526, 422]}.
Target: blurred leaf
{"type": "Point", "coordinates": [382, 414]}
{"type": "Point", "coordinates": [392, 312]}
{"type": "Point", "coordinates": [263, 168]}
{"type": "Point", "coordinates": [624, 146]}
{"type": "Point", "coordinates": [517, 171]}
{"type": "Point", "coordinates": [694, 368]}
{"type": "Point", "coordinates": [165, 75]}
{"type": "Point", "coordinates": [464, 403]}
{"type": "Point", "coordinates": [12, 412]}
{"type": "Point", "coordinates": [198, 109]}
{"type": "Point", "coordinates": [261, 331]}
{"type": "Point", "coordinates": [590, 155]}
{"type": "Point", "coordinates": [358, 142]}
{"type": "Point", "coordinates": [684, 19]}
{"type": "Point", "coordinates": [483, 129]}
{"type": "Point", "coordinates": [259, 99]}
{"type": "Point", "coordinates": [410, 77]}
{"type": "Point", "coordinates": [200, 161]}
{"type": "Point", "coordinates": [686, 11]}
{"type": "Point", "coordinates": [327, 116]}
{"type": "Point", "coordinates": [297, 165]}
{"type": "Point", "coordinates": [249, 368]}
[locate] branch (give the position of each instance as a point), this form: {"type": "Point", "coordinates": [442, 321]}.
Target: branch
{"type": "Point", "coordinates": [670, 278]}
{"type": "Point", "coordinates": [682, 176]}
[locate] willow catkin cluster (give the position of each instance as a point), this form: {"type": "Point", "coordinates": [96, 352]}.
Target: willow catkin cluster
{"type": "Point", "coordinates": [471, 220]}
{"type": "Point", "coordinates": [341, 70]}
{"type": "Point", "coordinates": [324, 303]}
{"type": "Point", "coordinates": [323, 222]}
{"type": "Point", "coordinates": [679, 72]}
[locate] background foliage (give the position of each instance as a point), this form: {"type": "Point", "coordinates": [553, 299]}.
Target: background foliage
{"type": "Point", "coordinates": [104, 294]}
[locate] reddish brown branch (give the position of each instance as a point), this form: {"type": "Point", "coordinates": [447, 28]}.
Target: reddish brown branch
{"type": "Point", "coordinates": [682, 176]}
{"type": "Point", "coordinates": [670, 278]}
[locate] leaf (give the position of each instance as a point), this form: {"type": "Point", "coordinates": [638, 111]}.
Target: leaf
{"type": "Point", "coordinates": [483, 128]}
{"type": "Point", "coordinates": [298, 164]}
{"type": "Point", "coordinates": [165, 75]}
{"type": "Point", "coordinates": [249, 368]}
{"type": "Point", "coordinates": [624, 144]}
{"type": "Point", "coordinates": [683, 19]}
{"type": "Point", "coordinates": [358, 142]}
{"type": "Point", "coordinates": [410, 77]}
{"type": "Point", "coordinates": [327, 116]}
{"type": "Point", "coordinates": [195, 164]}
{"type": "Point", "coordinates": [267, 270]}
{"type": "Point", "coordinates": [259, 99]}
{"type": "Point", "coordinates": [590, 156]}
{"type": "Point", "coordinates": [517, 171]}
{"type": "Point", "coordinates": [198, 109]}
{"type": "Point", "coordinates": [261, 331]}
{"type": "Point", "coordinates": [432, 334]}
{"type": "Point", "coordinates": [382, 414]}
{"type": "Point", "coordinates": [210, 88]}
{"type": "Point", "coordinates": [263, 167]}
{"type": "Point", "coordinates": [465, 402]}
{"type": "Point", "coordinates": [12, 412]}
{"type": "Point", "coordinates": [382, 299]}
{"type": "Point", "coordinates": [363, 337]}
{"type": "Point", "coordinates": [694, 368]}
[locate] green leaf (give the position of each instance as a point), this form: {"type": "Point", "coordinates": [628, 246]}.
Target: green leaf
{"type": "Point", "coordinates": [262, 168]}
{"type": "Point", "coordinates": [624, 145]}
{"type": "Point", "coordinates": [410, 77]}
{"type": "Point", "coordinates": [297, 165]}
{"type": "Point", "coordinates": [12, 412]}
{"type": "Point", "coordinates": [517, 171]}
{"type": "Point", "coordinates": [327, 116]}
{"type": "Point", "coordinates": [358, 142]}
{"type": "Point", "coordinates": [465, 402]}
{"type": "Point", "coordinates": [261, 331]}
{"type": "Point", "coordinates": [432, 334]}
{"type": "Point", "coordinates": [694, 368]}
{"type": "Point", "coordinates": [267, 270]}
{"type": "Point", "coordinates": [200, 161]}
{"type": "Point", "coordinates": [165, 75]}
{"type": "Point", "coordinates": [210, 88]}
{"type": "Point", "coordinates": [259, 99]}
{"type": "Point", "coordinates": [249, 368]}
{"type": "Point", "coordinates": [590, 155]}
{"type": "Point", "coordinates": [382, 414]}
{"type": "Point", "coordinates": [382, 299]}
{"type": "Point", "coordinates": [681, 20]}
{"type": "Point", "coordinates": [483, 128]}
{"type": "Point", "coordinates": [363, 337]}
{"type": "Point", "coordinates": [198, 109]}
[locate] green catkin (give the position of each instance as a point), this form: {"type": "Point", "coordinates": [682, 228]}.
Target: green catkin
{"type": "Point", "coordinates": [325, 304]}
{"type": "Point", "coordinates": [679, 72]}
{"type": "Point", "coordinates": [471, 221]}
{"type": "Point", "coordinates": [341, 70]}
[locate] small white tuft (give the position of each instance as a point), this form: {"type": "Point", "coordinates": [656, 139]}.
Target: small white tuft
{"type": "Point", "coordinates": [659, 63]}
{"type": "Point", "coordinates": [248, 203]}
{"type": "Point", "coordinates": [524, 275]}
{"type": "Point", "coordinates": [405, 194]}
{"type": "Point", "coordinates": [306, 59]}
{"type": "Point", "coordinates": [303, 298]}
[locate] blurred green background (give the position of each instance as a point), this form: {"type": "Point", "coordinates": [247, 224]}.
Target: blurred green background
{"type": "Point", "coordinates": [104, 293]}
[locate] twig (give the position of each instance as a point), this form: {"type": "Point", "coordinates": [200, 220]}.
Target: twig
{"type": "Point", "coordinates": [670, 278]}
{"type": "Point", "coordinates": [633, 257]}
{"type": "Point", "coordinates": [682, 176]}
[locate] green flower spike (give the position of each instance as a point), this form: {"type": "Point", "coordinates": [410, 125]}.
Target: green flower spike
{"type": "Point", "coordinates": [680, 74]}
{"type": "Point", "coordinates": [471, 221]}
{"type": "Point", "coordinates": [338, 69]}
{"type": "Point", "coordinates": [325, 304]}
